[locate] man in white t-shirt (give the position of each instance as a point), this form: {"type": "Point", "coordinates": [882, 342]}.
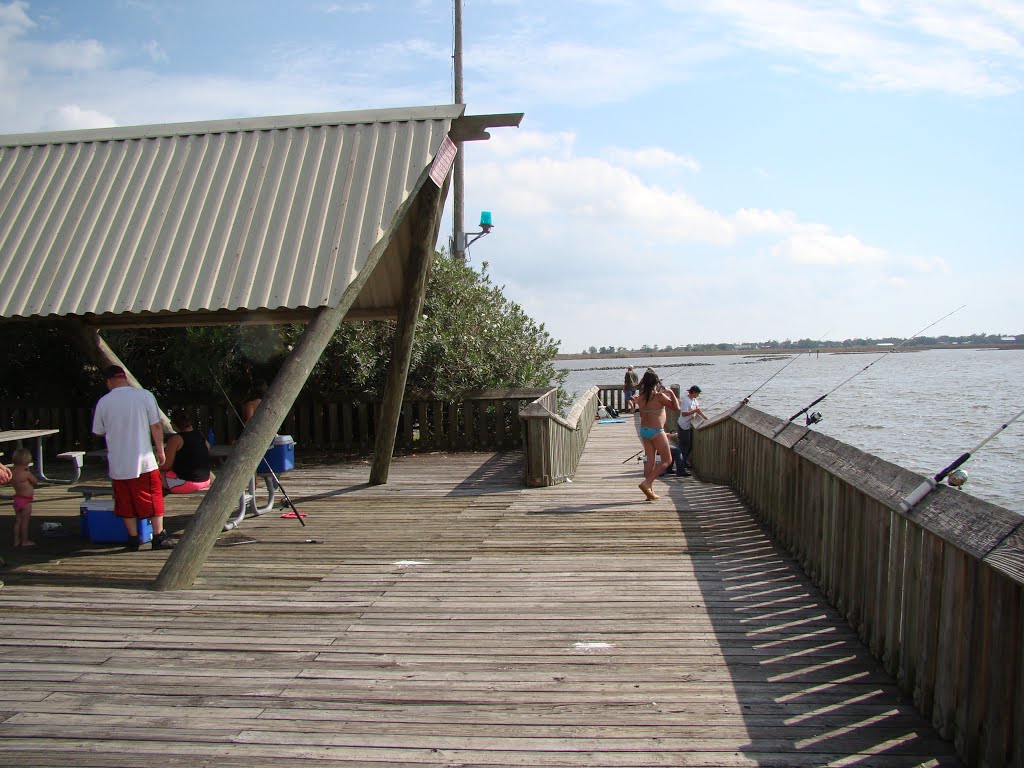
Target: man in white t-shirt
{"type": "Point", "coordinates": [688, 408]}
{"type": "Point", "coordinates": [129, 419]}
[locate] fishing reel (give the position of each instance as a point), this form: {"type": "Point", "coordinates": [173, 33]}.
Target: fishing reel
{"type": "Point", "coordinates": [813, 418]}
{"type": "Point", "coordinates": [956, 478]}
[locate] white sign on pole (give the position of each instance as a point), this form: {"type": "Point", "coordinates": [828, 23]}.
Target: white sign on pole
{"type": "Point", "coordinates": [443, 161]}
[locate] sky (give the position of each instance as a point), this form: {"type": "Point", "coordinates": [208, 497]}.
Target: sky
{"type": "Point", "coordinates": [687, 171]}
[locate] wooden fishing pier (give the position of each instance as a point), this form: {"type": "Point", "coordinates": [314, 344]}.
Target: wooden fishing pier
{"type": "Point", "coordinates": [451, 617]}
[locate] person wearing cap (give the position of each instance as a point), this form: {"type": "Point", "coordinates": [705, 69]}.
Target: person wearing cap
{"type": "Point", "coordinates": [688, 408]}
{"type": "Point", "coordinates": [129, 419]}
{"type": "Point", "coordinates": [629, 385]}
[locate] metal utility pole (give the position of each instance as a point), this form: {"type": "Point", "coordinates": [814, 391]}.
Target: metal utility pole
{"type": "Point", "coordinates": [458, 180]}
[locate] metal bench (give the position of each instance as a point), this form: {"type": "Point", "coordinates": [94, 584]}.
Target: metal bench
{"type": "Point", "coordinates": [247, 502]}
{"type": "Point", "coordinates": [78, 459]}
{"type": "Point", "coordinates": [88, 491]}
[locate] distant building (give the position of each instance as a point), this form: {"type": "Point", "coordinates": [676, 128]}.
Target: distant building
{"type": "Point", "coordinates": [885, 344]}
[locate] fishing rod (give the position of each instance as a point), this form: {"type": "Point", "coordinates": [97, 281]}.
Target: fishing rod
{"type": "Point", "coordinates": [613, 413]}
{"type": "Point", "coordinates": [930, 483]}
{"type": "Point", "coordinates": [791, 361]}
{"type": "Point", "coordinates": [288, 503]}
{"type": "Point", "coordinates": [814, 418]}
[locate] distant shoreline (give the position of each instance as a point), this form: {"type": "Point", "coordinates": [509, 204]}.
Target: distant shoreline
{"type": "Point", "coordinates": [772, 351]}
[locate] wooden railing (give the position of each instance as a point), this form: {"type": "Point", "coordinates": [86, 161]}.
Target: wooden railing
{"type": "Point", "coordinates": [554, 444]}
{"type": "Point", "coordinates": [612, 394]}
{"type": "Point", "coordinates": [937, 593]}
{"type": "Point", "coordinates": [483, 420]}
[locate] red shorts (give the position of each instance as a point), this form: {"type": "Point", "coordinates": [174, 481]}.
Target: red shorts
{"type": "Point", "coordinates": [142, 497]}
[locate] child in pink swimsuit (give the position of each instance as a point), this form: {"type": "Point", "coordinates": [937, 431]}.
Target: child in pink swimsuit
{"type": "Point", "coordinates": [23, 482]}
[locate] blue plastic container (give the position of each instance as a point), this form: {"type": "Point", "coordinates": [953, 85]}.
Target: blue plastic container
{"type": "Point", "coordinates": [280, 458]}
{"type": "Point", "coordinates": [99, 524]}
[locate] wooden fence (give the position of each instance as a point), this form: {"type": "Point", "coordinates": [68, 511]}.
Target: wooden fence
{"type": "Point", "coordinates": [937, 593]}
{"type": "Point", "coordinates": [485, 420]}
{"type": "Point", "coordinates": [612, 394]}
{"type": "Point", "coordinates": [554, 444]}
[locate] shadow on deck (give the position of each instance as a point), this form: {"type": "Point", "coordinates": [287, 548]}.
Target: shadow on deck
{"type": "Point", "coordinates": [451, 617]}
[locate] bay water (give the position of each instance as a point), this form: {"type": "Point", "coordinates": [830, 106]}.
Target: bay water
{"type": "Point", "coordinates": [918, 409]}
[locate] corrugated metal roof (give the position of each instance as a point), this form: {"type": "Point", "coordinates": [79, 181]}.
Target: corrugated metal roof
{"type": "Point", "coordinates": [255, 215]}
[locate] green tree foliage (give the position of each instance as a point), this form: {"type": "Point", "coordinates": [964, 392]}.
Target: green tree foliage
{"type": "Point", "coordinates": [471, 337]}
{"type": "Point", "coordinates": [198, 361]}
{"type": "Point", "coordinates": [40, 363]}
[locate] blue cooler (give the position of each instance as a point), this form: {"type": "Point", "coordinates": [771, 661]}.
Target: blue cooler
{"type": "Point", "coordinates": [99, 524]}
{"type": "Point", "coordinates": [280, 458]}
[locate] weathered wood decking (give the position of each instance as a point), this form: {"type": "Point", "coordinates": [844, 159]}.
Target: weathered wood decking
{"type": "Point", "coordinates": [449, 618]}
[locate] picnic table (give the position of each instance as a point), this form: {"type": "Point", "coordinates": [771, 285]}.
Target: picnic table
{"type": "Point", "coordinates": [247, 501]}
{"type": "Point", "coordinates": [19, 436]}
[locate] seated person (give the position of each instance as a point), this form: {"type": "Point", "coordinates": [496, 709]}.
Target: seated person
{"type": "Point", "coordinates": [253, 399]}
{"type": "Point", "coordinates": [677, 455]}
{"type": "Point", "coordinates": [186, 466]}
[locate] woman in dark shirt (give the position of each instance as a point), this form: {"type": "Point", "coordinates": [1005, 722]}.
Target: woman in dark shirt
{"type": "Point", "coordinates": [186, 466]}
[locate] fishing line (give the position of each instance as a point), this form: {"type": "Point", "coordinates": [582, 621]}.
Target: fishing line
{"type": "Point", "coordinates": [930, 483]}
{"type": "Point", "coordinates": [793, 360]}
{"type": "Point", "coordinates": [814, 418]}
{"type": "Point", "coordinates": [287, 499]}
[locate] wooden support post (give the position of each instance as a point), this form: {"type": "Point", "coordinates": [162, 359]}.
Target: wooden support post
{"type": "Point", "coordinates": [201, 533]}
{"type": "Point", "coordinates": [424, 235]}
{"type": "Point", "coordinates": [96, 349]}
{"type": "Point", "coordinates": [188, 557]}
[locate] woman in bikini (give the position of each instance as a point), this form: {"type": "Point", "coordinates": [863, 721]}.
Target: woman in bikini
{"type": "Point", "coordinates": [652, 400]}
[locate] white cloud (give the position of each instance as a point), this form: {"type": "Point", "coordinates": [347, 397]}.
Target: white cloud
{"type": "Point", "coordinates": [952, 46]}
{"type": "Point", "coordinates": [571, 225]}
{"type": "Point", "coordinates": [651, 158]}
{"type": "Point", "coordinates": [522, 65]}
{"type": "Point", "coordinates": [971, 48]}
{"type": "Point", "coordinates": [573, 219]}
{"type": "Point", "coordinates": [506, 143]}
{"type": "Point", "coordinates": [967, 28]}
{"type": "Point", "coordinates": [156, 52]}
{"type": "Point", "coordinates": [74, 55]}
{"type": "Point", "coordinates": [14, 19]}
{"type": "Point", "coordinates": [14, 22]}
{"type": "Point", "coordinates": [926, 265]}
{"type": "Point", "coordinates": [751, 220]}
{"type": "Point", "coordinates": [73, 117]}
{"type": "Point", "coordinates": [590, 197]}
{"type": "Point", "coordinates": [821, 247]}
{"type": "Point", "coordinates": [347, 8]}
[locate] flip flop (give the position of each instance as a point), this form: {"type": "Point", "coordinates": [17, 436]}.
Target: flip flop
{"type": "Point", "coordinates": [651, 495]}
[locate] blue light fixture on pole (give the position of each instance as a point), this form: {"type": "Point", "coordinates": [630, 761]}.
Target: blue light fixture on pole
{"type": "Point", "coordinates": [485, 229]}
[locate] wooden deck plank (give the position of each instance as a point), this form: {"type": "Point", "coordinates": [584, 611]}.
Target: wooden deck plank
{"type": "Point", "coordinates": [451, 617]}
